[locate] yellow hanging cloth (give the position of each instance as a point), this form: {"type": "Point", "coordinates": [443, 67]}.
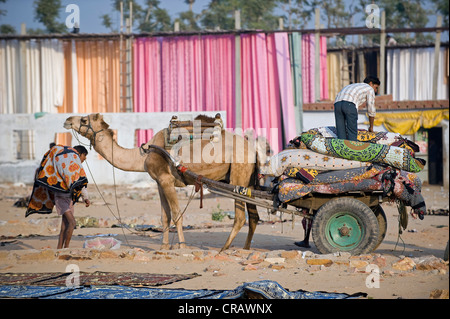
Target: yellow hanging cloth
{"type": "Point", "coordinates": [408, 123]}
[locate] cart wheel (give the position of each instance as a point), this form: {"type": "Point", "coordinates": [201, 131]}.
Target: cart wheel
{"type": "Point", "coordinates": [382, 223]}
{"type": "Point", "coordinates": [345, 224]}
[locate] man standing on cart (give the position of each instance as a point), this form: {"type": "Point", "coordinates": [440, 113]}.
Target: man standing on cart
{"type": "Point", "coordinates": [346, 107]}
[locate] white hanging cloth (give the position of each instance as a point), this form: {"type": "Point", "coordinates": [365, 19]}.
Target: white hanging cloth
{"type": "Point", "coordinates": [410, 74]}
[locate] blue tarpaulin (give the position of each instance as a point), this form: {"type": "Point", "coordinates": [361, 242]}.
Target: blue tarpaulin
{"type": "Point", "coordinates": [264, 289]}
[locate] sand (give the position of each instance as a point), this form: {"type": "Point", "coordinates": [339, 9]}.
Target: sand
{"type": "Point", "coordinates": [409, 266]}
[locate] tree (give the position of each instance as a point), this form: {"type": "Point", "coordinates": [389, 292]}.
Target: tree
{"type": "Point", "coordinates": [442, 8]}
{"type": "Point", "coordinates": [299, 12]}
{"type": "Point", "coordinates": [6, 28]}
{"type": "Point", "coordinates": [402, 14]}
{"type": "Point", "coordinates": [148, 18]}
{"type": "Point", "coordinates": [47, 13]}
{"type": "Point", "coordinates": [255, 14]}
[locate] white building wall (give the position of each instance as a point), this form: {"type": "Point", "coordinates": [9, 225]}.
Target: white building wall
{"type": "Point", "coordinates": [44, 128]}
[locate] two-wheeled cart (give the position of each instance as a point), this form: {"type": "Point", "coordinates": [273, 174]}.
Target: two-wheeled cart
{"type": "Point", "coordinates": [353, 221]}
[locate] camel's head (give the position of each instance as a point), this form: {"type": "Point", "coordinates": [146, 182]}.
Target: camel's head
{"type": "Point", "coordinates": [87, 126]}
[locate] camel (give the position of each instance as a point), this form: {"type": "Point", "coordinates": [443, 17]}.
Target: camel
{"type": "Point", "coordinates": [230, 165]}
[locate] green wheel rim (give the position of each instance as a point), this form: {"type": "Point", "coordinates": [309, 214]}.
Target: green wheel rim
{"type": "Point", "coordinates": [344, 231]}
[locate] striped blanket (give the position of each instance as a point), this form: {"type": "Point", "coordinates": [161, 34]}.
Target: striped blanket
{"type": "Point", "coordinates": [60, 171]}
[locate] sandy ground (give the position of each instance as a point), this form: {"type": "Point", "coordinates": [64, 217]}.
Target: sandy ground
{"type": "Point", "coordinates": [411, 266]}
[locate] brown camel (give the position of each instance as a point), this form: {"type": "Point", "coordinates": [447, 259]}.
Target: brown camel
{"type": "Point", "coordinates": [236, 164]}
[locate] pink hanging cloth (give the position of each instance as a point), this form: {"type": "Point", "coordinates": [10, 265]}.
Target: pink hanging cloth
{"type": "Point", "coordinates": [324, 95]}
{"type": "Point", "coordinates": [184, 73]}
{"type": "Point", "coordinates": [260, 88]}
{"type": "Point", "coordinates": [147, 80]}
{"type": "Point", "coordinates": [308, 68]}
{"type": "Point", "coordinates": [286, 89]}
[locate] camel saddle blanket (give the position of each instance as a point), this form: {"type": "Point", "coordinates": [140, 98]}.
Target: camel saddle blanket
{"type": "Point", "coordinates": [182, 131]}
{"type": "Point", "coordinates": [390, 155]}
{"type": "Point", "coordinates": [60, 171]}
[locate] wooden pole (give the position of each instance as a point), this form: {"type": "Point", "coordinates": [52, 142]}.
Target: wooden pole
{"type": "Point", "coordinates": [437, 48]}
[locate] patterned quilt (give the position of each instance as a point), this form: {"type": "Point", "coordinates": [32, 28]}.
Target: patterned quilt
{"type": "Point", "coordinates": [60, 171]}
{"type": "Point", "coordinates": [395, 183]}
{"type": "Point", "coordinates": [307, 159]}
{"type": "Point", "coordinates": [390, 155]}
{"type": "Point", "coordinates": [386, 138]}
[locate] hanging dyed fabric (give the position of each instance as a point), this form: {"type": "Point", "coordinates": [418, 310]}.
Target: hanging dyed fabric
{"type": "Point", "coordinates": [98, 69]}
{"type": "Point", "coordinates": [31, 76]}
{"type": "Point", "coordinates": [184, 73]}
{"type": "Point", "coordinates": [261, 108]}
{"type": "Point", "coordinates": [309, 48]}
{"type": "Point", "coordinates": [410, 74]}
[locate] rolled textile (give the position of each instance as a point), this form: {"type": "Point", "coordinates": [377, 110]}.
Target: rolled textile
{"type": "Point", "coordinates": [386, 138]}
{"type": "Point", "coordinates": [307, 159]}
{"type": "Point", "coordinates": [396, 184]}
{"type": "Point", "coordinates": [366, 152]}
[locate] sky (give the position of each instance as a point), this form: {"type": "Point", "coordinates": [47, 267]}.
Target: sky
{"type": "Point", "coordinates": [22, 11]}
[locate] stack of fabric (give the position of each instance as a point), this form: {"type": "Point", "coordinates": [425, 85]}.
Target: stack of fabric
{"type": "Point", "coordinates": [318, 162]}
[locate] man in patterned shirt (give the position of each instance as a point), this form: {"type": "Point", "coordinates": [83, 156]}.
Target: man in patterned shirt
{"type": "Point", "coordinates": [346, 107]}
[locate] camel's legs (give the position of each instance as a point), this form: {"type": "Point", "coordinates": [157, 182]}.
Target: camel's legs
{"type": "Point", "coordinates": [165, 218]}
{"type": "Point", "coordinates": [170, 196]}
{"type": "Point", "coordinates": [239, 221]}
{"type": "Point", "coordinates": [253, 218]}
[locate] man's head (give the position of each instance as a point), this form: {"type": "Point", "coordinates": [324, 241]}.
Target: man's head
{"type": "Point", "coordinates": [82, 152]}
{"type": "Point", "coordinates": [373, 82]}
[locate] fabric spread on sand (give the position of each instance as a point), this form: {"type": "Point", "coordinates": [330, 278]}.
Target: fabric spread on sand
{"type": "Point", "coordinates": [264, 289]}
{"type": "Point", "coordinates": [60, 171]}
{"type": "Point", "coordinates": [94, 278]}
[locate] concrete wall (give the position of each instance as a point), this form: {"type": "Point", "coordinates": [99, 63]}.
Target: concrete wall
{"type": "Point", "coordinates": [45, 127]}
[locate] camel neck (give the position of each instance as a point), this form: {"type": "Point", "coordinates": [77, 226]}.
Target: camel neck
{"type": "Point", "coordinates": [121, 158]}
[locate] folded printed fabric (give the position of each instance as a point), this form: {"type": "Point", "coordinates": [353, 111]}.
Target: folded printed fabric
{"type": "Point", "coordinates": [60, 171]}
{"type": "Point", "coordinates": [366, 152]}
{"type": "Point", "coordinates": [306, 159]}
{"type": "Point", "coordinates": [306, 175]}
{"type": "Point", "coordinates": [395, 183]}
{"type": "Point", "coordinates": [291, 188]}
{"type": "Point", "coordinates": [386, 138]}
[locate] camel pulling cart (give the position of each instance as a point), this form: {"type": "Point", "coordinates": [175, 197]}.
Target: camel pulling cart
{"type": "Point", "coordinates": [336, 185]}
{"type": "Point", "coordinates": [352, 221]}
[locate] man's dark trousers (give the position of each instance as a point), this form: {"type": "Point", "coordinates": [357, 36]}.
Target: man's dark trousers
{"type": "Point", "coordinates": [346, 116]}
